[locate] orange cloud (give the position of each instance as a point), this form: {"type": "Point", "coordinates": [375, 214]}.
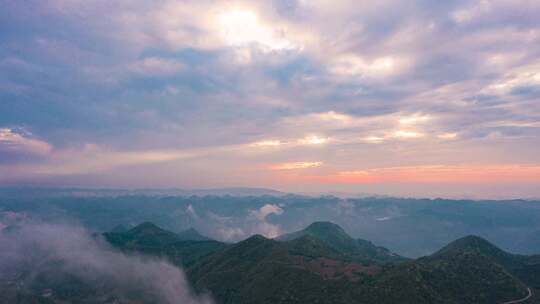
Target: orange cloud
{"type": "Point", "coordinates": [295, 165]}
{"type": "Point", "coordinates": [268, 143]}
{"type": "Point", "coordinates": [435, 174]}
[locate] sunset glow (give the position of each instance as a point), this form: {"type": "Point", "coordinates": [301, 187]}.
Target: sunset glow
{"type": "Point", "coordinates": [268, 143]}
{"type": "Point", "coordinates": [292, 95]}
{"type": "Point", "coordinates": [269, 151]}
{"type": "Point", "coordinates": [313, 140]}
{"type": "Point", "coordinates": [436, 174]}
{"type": "Point", "coordinates": [295, 165]}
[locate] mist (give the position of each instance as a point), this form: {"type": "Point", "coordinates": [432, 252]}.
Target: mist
{"type": "Point", "coordinates": [40, 260]}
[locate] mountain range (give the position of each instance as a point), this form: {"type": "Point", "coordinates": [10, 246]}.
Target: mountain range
{"type": "Point", "coordinates": [410, 227]}
{"type": "Point", "coordinates": [323, 264]}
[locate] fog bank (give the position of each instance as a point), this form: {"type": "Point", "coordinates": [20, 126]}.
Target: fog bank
{"type": "Point", "coordinates": [61, 261]}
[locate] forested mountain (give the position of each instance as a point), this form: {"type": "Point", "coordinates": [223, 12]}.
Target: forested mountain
{"type": "Point", "coordinates": [323, 264]}
{"type": "Point", "coordinates": [319, 264]}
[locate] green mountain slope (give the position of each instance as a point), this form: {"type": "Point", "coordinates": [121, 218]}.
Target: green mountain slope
{"type": "Point", "coordinates": [319, 265]}
{"type": "Point", "coordinates": [306, 269]}
{"type": "Point", "coordinates": [149, 235]}
{"type": "Point", "coordinates": [182, 249]}
{"type": "Point", "coordinates": [261, 270]}
{"type": "Point", "coordinates": [464, 278]}
{"type": "Point", "coordinates": [335, 237]}
{"type": "Point", "coordinates": [526, 268]}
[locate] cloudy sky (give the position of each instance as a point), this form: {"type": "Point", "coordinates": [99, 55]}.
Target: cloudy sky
{"type": "Point", "coordinates": [420, 98]}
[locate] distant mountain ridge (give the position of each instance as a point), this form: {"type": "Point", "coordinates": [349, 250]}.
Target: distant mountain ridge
{"type": "Point", "coordinates": [410, 227]}
{"type": "Point", "coordinates": [99, 192]}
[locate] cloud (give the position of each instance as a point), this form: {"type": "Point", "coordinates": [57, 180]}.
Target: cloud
{"type": "Point", "coordinates": [191, 212]}
{"type": "Point", "coordinates": [352, 65]}
{"type": "Point", "coordinates": [414, 119]}
{"type": "Point", "coordinates": [267, 229]}
{"type": "Point", "coordinates": [232, 228]}
{"type": "Point", "coordinates": [332, 81]}
{"type": "Point", "coordinates": [346, 129]}
{"type": "Point", "coordinates": [14, 144]}
{"type": "Point", "coordinates": [268, 143]}
{"type": "Point", "coordinates": [261, 225]}
{"type": "Point", "coordinates": [474, 174]}
{"type": "Point", "coordinates": [522, 77]}
{"type": "Point", "coordinates": [241, 28]}
{"type": "Point", "coordinates": [230, 233]}
{"type": "Point", "coordinates": [310, 140]}
{"type": "Point", "coordinates": [313, 140]}
{"type": "Point", "coordinates": [448, 136]}
{"type": "Point", "coordinates": [407, 134]}
{"type": "Point", "coordinates": [155, 66]}
{"type": "Point", "coordinates": [295, 165]}
{"type": "Point", "coordinates": [92, 159]}
{"type": "Point", "coordinates": [62, 253]}
{"type": "Point", "coordinates": [266, 210]}
{"type": "Point", "coordinates": [468, 14]}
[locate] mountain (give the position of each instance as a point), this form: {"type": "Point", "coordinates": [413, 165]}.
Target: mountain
{"type": "Point", "coordinates": [410, 227]}
{"type": "Point", "coordinates": [316, 266]}
{"type": "Point", "coordinates": [120, 228]}
{"type": "Point", "coordinates": [192, 235]}
{"type": "Point", "coordinates": [319, 264]}
{"type": "Point", "coordinates": [142, 236]}
{"type": "Point", "coordinates": [182, 249]}
{"type": "Point", "coordinates": [32, 192]}
{"type": "Point", "coordinates": [469, 270]}
{"type": "Point", "coordinates": [261, 270]}
{"type": "Point", "coordinates": [148, 234]}
{"type": "Point", "coordinates": [335, 237]}
{"type": "Point", "coordinates": [238, 191]}
{"type": "Point", "coordinates": [475, 245]}
{"type": "Point", "coordinates": [529, 271]}
{"type": "Point", "coordinates": [526, 268]}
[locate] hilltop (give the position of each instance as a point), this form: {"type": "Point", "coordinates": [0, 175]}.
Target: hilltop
{"type": "Point", "coordinates": [336, 237]}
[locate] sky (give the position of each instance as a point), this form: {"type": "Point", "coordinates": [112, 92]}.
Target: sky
{"type": "Point", "coordinates": [408, 98]}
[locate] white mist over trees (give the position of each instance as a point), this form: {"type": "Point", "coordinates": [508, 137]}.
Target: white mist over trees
{"type": "Point", "coordinates": [48, 256]}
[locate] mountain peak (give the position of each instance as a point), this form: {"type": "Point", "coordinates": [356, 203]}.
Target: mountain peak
{"type": "Point", "coordinates": [253, 245]}
{"type": "Point", "coordinates": [337, 239]}
{"type": "Point", "coordinates": [330, 233]}
{"type": "Point", "coordinates": [472, 243]}
{"type": "Point", "coordinates": [120, 228]}
{"type": "Point", "coordinates": [146, 228]}
{"type": "Point", "coordinates": [255, 238]}
{"type": "Point", "coordinates": [325, 226]}
{"type": "Point", "coordinates": [325, 231]}
{"type": "Point", "coordinates": [192, 234]}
